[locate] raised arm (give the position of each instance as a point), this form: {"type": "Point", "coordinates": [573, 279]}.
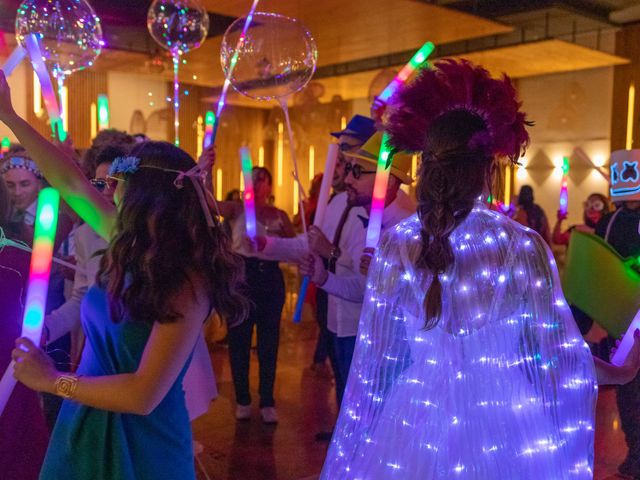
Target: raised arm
{"type": "Point", "coordinates": [60, 170]}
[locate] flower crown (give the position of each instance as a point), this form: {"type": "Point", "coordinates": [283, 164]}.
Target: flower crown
{"type": "Point", "coordinates": [123, 166]}
{"type": "Point", "coordinates": [22, 163]}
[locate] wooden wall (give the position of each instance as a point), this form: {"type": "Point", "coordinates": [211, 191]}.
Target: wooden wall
{"type": "Point", "coordinates": [84, 88]}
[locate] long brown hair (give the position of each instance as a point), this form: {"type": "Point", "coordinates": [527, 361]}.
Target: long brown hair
{"type": "Point", "coordinates": [161, 238]}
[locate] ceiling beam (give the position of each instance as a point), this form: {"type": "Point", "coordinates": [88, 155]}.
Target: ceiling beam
{"type": "Point", "coordinates": [494, 9]}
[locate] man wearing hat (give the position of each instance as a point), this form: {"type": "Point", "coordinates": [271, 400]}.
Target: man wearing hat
{"type": "Point", "coordinates": [621, 229]}
{"type": "Point", "coordinates": [343, 280]}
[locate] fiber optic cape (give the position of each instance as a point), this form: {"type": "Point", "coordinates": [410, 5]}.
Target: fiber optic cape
{"type": "Point", "coordinates": [502, 388]}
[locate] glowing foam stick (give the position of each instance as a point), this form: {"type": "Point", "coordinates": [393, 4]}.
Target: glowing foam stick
{"type": "Point", "coordinates": [48, 93]}
{"type": "Point", "coordinates": [13, 60]}
{"type": "Point", "coordinates": [627, 342]}
{"type": "Point", "coordinates": [209, 122]}
{"type": "Point", "coordinates": [41, 259]}
{"type": "Point", "coordinates": [379, 193]}
{"type": "Point", "coordinates": [232, 65]}
{"type": "Point", "coordinates": [564, 189]}
{"type": "Point", "coordinates": [403, 75]}
{"type": "Point", "coordinates": [4, 146]}
{"type": "Point", "coordinates": [323, 201]}
{"type": "Point", "coordinates": [249, 197]}
{"type": "Point", "coordinates": [103, 112]}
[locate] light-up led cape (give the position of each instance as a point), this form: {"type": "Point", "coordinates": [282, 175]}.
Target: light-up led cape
{"type": "Point", "coordinates": [502, 388]}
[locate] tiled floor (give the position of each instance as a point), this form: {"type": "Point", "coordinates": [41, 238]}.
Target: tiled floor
{"type": "Point", "coordinates": [288, 451]}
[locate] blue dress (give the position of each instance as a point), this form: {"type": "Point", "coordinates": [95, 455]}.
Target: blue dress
{"type": "Point", "coordinates": [88, 443]}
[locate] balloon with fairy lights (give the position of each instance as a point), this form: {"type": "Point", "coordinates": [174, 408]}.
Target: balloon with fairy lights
{"type": "Point", "coordinates": [69, 33]}
{"type": "Point", "coordinates": [276, 58]}
{"type": "Point", "coordinates": [178, 26]}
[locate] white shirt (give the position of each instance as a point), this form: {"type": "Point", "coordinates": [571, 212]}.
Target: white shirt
{"type": "Point", "coordinates": [67, 317]}
{"type": "Point", "coordinates": [28, 216]}
{"type": "Point", "coordinates": [344, 306]}
{"type": "Point", "coordinates": [346, 287]}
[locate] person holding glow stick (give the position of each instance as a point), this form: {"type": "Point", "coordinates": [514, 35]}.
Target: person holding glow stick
{"type": "Point", "coordinates": [39, 275]}
{"type": "Point", "coordinates": [467, 355]}
{"type": "Point", "coordinates": [596, 206]}
{"type": "Point", "coordinates": [264, 287]}
{"type": "Point", "coordinates": [342, 278]}
{"type": "Point", "coordinates": [333, 220]}
{"type": "Point", "coordinates": [621, 229]}
{"type": "Point", "coordinates": [167, 267]}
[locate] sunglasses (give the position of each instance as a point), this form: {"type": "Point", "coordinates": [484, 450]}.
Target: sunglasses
{"type": "Point", "coordinates": [356, 170]}
{"type": "Point", "coordinates": [102, 184]}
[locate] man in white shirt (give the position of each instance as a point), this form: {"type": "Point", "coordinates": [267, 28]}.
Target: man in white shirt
{"type": "Point", "coordinates": [342, 280]}
{"type": "Point", "coordinates": [339, 216]}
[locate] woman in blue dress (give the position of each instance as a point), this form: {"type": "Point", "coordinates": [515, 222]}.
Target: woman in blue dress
{"type": "Point", "coordinates": [168, 265]}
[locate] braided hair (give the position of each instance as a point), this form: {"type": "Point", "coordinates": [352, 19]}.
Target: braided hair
{"type": "Point", "coordinates": [460, 119]}
{"type": "Point", "coordinates": [452, 176]}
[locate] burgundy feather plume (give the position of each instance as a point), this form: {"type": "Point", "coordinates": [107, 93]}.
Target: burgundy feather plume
{"type": "Point", "coordinates": [452, 85]}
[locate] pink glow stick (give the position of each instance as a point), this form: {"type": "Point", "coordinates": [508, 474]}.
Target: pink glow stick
{"type": "Point", "coordinates": [249, 195]}
{"type": "Point", "coordinates": [379, 194]}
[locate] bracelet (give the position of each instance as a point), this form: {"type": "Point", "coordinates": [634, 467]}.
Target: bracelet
{"type": "Point", "coordinates": [66, 385]}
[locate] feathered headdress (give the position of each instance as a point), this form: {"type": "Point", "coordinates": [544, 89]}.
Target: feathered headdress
{"type": "Point", "coordinates": [458, 85]}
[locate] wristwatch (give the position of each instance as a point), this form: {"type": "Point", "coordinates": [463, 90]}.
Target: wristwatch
{"type": "Point", "coordinates": [335, 253]}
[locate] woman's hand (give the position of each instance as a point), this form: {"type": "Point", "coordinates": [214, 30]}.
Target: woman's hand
{"type": "Point", "coordinates": [365, 260]}
{"type": "Point", "coordinates": [6, 107]}
{"type": "Point", "coordinates": [629, 369]}
{"type": "Point", "coordinates": [256, 244]}
{"type": "Point", "coordinates": [311, 266]}
{"type": "Point", "coordinates": [561, 215]}
{"type": "Point", "coordinates": [208, 155]}
{"type": "Point", "coordinates": [33, 367]}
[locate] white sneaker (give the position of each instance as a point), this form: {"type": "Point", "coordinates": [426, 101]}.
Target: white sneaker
{"type": "Point", "coordinates": [243, 412]}
{"type": "Point", "coordinates": [269, 415]}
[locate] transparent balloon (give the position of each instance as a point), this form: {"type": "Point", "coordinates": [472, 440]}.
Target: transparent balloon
{"type": "Point", "coordinates": [178, 25]}
{"type": "Point", "coordinates": [69, 30]}
{"type": "Point", "coordinates": [278, 56]}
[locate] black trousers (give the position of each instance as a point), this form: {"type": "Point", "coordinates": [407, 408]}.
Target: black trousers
{"type": "Point", "coordinates": [323, 344]}
{"type": "Point", "coordinates": [265, 290]}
